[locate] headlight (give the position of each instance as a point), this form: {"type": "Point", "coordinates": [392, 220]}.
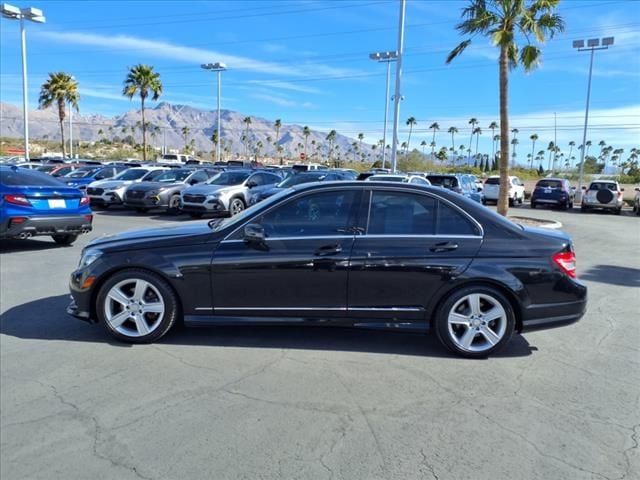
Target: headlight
{"type": "Point", "coordinates": [88, 257]}
{"type": "Point", "coordinates": [212, 197]}
{"type": "Point", "coordinates": [151, 193]}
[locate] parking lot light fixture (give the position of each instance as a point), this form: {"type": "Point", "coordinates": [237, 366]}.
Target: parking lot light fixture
{"type": "Point", "coordinates": [593, 44]}
{"type": "Point", "coordinates": [386, 57]}
{"type": "Point", "coordinates": [33, 15]}
{"type": "Point", "coordinates": [219, 68]}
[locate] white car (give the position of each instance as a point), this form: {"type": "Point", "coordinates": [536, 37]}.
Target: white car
{"type": "Point", "coordinates": [105, 193]}
{"type": "Point", "coordinates": [491, 190]}
{"type": "Point", "coordinates": [390, 177]}
{"type": "Point", "coordinates": [603, 194]}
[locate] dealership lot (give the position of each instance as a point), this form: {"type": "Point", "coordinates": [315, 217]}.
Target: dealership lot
{"type": "Point", "coordinates": [262, 403]}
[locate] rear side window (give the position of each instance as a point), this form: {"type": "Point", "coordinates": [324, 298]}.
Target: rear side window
{"type": "Point", "coordinates": [492, 181]}
{"type": "Point", "coordinates": [453, 222]}
{"type": "Point", "coordinates": [28, 178]}
{"type": "Point", "coordinates": [603, 186]}
{"type": "Point", "coordinates": [443, 181]}
{"type": "Point", "coordinates": [549, 184]}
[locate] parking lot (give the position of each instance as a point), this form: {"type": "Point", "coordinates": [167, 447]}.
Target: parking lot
{"type": "Point", "coordinates": [293, 403]}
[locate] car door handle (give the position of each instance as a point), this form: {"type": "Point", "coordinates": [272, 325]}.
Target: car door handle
{"type": "Point", "coordinates": [444, 247]}
{"type": "Point", "coordinates": [327, 250]}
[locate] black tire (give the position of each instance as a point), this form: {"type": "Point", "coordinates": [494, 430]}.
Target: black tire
{"type": "Point", "coordinates": [173, 206]}
{"type": "Point", "coordinates": [565, 205]}
{"type": "Point", "coordinates": [584, 209]}
{"type": "Point", "coordinates": [64, 239]}
{"type": "Point", "coordinates": [638, 209]}
{"type": "Point", "coordinates": [236, 206]}
{"type": "Point", "coordinates": [511, 202]}
{"type": "Point", "coordinates": [618, 211]}
{"type": "Point", "coordinates": [455, 301]}
{"type": "Point", "coordinates": [195, 214]}
{"type": "Point", "coordinates": [159, 288]}
{"type": "Point", "coordinates": [533, 205]}
{"type": "Point", "coordinates": [142, 210]}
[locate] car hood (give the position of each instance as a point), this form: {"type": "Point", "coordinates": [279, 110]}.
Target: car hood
{"type": "Point", "coordinates": [208, 189]}
{"type": "Point", "coordinates": [194, 232]}
{"type": "Point", "coordinates": [110, 184]}
{"type": "Point", "coordinates": [146, 186]}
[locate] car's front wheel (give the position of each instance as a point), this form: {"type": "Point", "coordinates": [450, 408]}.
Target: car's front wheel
{"type": "Point", "coordinates": [475, 321]}
{"type": "Point", "coordinates": [137, 306]}
{"type": "Point", "coordinates": [64, 239]}
{"type": "Point", "coordinates": [236, 206]}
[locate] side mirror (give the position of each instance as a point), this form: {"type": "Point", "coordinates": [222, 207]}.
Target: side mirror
{"type": "Point", "coordinates": [584, 188]}
{"type": "Point", "coordinates": [254, 234]}
{"type": "Point", "coordinates": [193, 181]}
{"type": "Point", "coordinates": [637, 189]}
{"type": "Point", "coordinates": [622, 189]}
{"type": "Point", "coordinates": [479, 189]}
{"type": "Point", "coordinates": [251, 184]}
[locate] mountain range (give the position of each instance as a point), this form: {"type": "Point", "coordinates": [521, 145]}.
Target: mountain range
{"type": "Point", "coordinates": [170, 121]}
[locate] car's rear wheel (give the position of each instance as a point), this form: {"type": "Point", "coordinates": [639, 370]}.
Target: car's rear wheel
{"type": "Point", "coordinates": [533, 204]}
{"type": "Point", "coordinates": [137, 306]}
{"type": "Point", "coordinates": [142, 210]}
{"type": "Point", "coordinates": [236, 206]}
{"type": "Point", "coordinates": [584, 208]}
{"type": "Point", "coordinates": [64, 239]}
{"type": "Point", "coordinates": [618, 211]}
{"type": "Point", "coordinates": [475, 321]}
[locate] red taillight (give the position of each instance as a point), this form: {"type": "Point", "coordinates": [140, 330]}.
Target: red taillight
{"type": "Point", "coordinates": [17, 200]}
{"type": "Point", "coordinates": [89, 217]}
{"type": "Point", "coordinates": [84, 200]}
{"type": "Point", "coordinates": [17, 221]}
{"type": "Point", "coordinates": [567, 262]}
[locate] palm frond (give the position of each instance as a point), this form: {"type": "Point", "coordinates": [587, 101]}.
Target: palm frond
{"type": "Point", "coordinates": [530, 57]}
{"type": "Point", "coordinates": [458, 50]}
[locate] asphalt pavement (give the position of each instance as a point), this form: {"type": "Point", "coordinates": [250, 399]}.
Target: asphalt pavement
{"type": "Point", "coordinates": [293, 403]}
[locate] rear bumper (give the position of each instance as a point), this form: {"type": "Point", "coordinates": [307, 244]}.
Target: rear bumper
{"type": "Point", "coordinates": [44, 225]}
{"type": "Point", "coordinates": [552, 315]}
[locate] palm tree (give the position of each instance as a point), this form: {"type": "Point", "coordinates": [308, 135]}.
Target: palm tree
{"type": "Point", "coordinates": [185, 134]}
{"type": "Point", "coordinates": [423, 144]}
{"type": "Point", "coordinates": [435, 127]}
{"type": "Point", "coordinates": [214, 139]}
{"type": "Point", "coordinates": [247, 122]}
{"type": "Point", "coordinates": [588, 144]}
{"type": "Point", "coordinates": [551, 148]}
{"type": "Point", "coordinates": [142, 80]}
{"type": "Point", "coordinates": [492, 127]}
{"type": "Point", "coordinates": [453, 131]}
{"type": "Point", "coordinates": [331, 137]}
{"type": "Point", "coordinates": [306, 132]}
{"type": "Point", "coordinates": [477, 131]}
{"type": "Point", "coordinates": [360, 138]}
{"type": "Point", "coordinates": [503, 21]}
{"type": "Point", "coordinates": [411, 121]}
{"type": "Point", "coordinates": [60, 88]}
{"type": "Point", "coordinates": [514, 142]}
{"type": "Point", "coordinates": [278, 125]}
{"type": "Point", "coordinates": [533, 139]}
{"type": "Point", "coordinates": [404, 146]}
{"type": "Point", "coordinates": [473, 122]}
{"type": "Point", "coordinates": [571, 145]}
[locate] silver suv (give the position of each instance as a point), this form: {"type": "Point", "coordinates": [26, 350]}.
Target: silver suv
{"type": "Point", "coordinates": [603, 194]}
{"type": "Point", "coordinates": [227, 193]}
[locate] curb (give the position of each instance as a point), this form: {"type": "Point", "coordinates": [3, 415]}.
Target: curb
{"type": "Point", "coordinates": [536, 222]}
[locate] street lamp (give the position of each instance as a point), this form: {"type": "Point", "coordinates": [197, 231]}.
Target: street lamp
{"type": "Point", "coordinates": [386, 57]}
{"type": "Point", "coordinates": [22, 14]}
{"type": "Point", "coordinates": [397, 97]}
{"type": "Point", "coordinates": [593, 44]}
{"type": "Point", "coordinates": [219, 68]}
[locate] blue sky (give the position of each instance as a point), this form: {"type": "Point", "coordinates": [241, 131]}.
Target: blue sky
{"type": "Point", "coordinates": [306, 62]}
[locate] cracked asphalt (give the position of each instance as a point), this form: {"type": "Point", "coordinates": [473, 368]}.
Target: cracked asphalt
{"type": "Point", "coordinates": [294, 403]}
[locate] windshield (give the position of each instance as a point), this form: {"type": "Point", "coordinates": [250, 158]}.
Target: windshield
{"type": "Point", "coordinates": [173, 176]}
{"type": "Point", "coordinates": [301, 178]}
{"type": "Point", "coordinates": [132, 174]}
{"type": "Point", "coordinates": [46, 168]}
{"type": "Point", "coordinates": [549, 184]}
{"type": "Point", "coordinates": [82, 172]}
{"type": "Point", "coordinates": [491, 181]}
{"type": "Point", "coordinates": [229, 178]}
{"type": "Point", "coordinates": [28, 178]}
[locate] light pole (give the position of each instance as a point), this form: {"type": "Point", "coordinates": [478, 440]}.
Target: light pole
{"type": "Point", "coordinates": [22, 14]}
{"type": "Point", "coordinates": [397, 96]}
{"type": "Point", "coordinates": [71, 127]}
{"type": "Point", "coordinates": [219, 68]}
{"type": "Point", "coordinates": [386, 57]}
{"type": "Point", "coordinates": [593, 44]}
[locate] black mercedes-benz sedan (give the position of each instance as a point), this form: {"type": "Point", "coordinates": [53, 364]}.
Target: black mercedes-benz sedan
{"type": "Point", "coordinates": [369, 254]}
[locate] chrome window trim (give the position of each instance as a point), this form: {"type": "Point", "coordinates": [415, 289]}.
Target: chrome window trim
{"type": "Point", "coordinates": [314, 237]}
{"type": "Point", "coordinates": [391, 235]}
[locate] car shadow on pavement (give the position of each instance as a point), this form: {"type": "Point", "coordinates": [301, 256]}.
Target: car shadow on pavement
{"type": "Point", "coordinates": [29, 321]}
{"type": "Point", "coordinates": [28, 245]}
{"type": "Point", "coordinates": [623, 276]}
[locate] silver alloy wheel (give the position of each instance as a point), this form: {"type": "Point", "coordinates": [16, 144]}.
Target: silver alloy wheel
{"type": "Point", "coordinates": [174, 202]}
{"type": "Point", "coordinates": [236, 206]}
{"type": "Point", "coordinates": [477, 322]}
{"type": "Point", "coordinates": [134, 307]}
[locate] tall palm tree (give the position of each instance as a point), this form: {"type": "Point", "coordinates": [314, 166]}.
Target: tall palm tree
{"type": "Point", "coordinates": [477, 132]}
{"type": "Point", "coordinates": [278, 125]}
{"type": "Point", "coordinates": [508, 23]}
{"type": "Point", "coordinates": [551, 148]}
{"type": "Point", "coordinates": [247, 122]}
{"type": "Point", "coordinates": [214, 140]}
{"type": "Point", "coordinates": [453, 131]}
{"type": "Point", "coordinates": [533, 139]}
{"type": "Point", "coordinates": [185, 134]}
{"type": "Point", "coordinates": [331, 137]}
{"type": "Point", "coordinates": [306, 132]}
{"type": "Point", "coordinates": [514, 142]}
{"type": "Point", "coordinates": [435, 127]}
{"type": "Point", "coordinates": [411, 121]}
{"type": "Point", "coordinates": [588, 144]}
{"type": "Point", "coordinates": [493, 126]}
{"type": "Point", "coordinates": [360, 138]}
{"type": "Point", "coordinates": [142, 80]}
{"type": "Point", "coordinates": [473, 122]}
{"type": "Point", "coordinates": [60, 88]}
{"type": "Point", "coordinates": [423, 144]}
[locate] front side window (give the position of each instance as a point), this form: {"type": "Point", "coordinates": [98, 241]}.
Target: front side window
{"type": "Point", "coordinates": [132, 174]}
{"type": "Point", "coordinates": [315, 214]}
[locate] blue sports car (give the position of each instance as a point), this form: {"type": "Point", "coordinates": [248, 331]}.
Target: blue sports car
{"type": "Point", "coordinates": [33, 203]}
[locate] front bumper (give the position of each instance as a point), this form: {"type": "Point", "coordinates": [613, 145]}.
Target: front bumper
{"type": "Point", "coordinates": [215, 207]}
{"type": "Point", "coordinates": [110, 198]}
{"type": "Point", "coordinates": [154, 201]}
{"type": "Point", "coordinates": [46, 225]}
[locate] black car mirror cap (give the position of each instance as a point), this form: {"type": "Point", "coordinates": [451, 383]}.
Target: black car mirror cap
{"type": "Point", "coordinates": [193, 181]}
{"type": "Point", "coordinates": [251, 184]}
{"type": "Point", "coordinates": [254, 233]}
{"type": "Point", "coordinates": [584, 187]}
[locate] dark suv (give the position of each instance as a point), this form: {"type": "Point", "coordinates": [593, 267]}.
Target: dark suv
{"type": "Point", "coordinates": [555, 192]}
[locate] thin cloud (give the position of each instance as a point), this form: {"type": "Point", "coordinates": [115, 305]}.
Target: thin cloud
{"type": "Point", "coordinates": [281, 102]}
{"type": "Point", "coordinates": [284, 86]}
